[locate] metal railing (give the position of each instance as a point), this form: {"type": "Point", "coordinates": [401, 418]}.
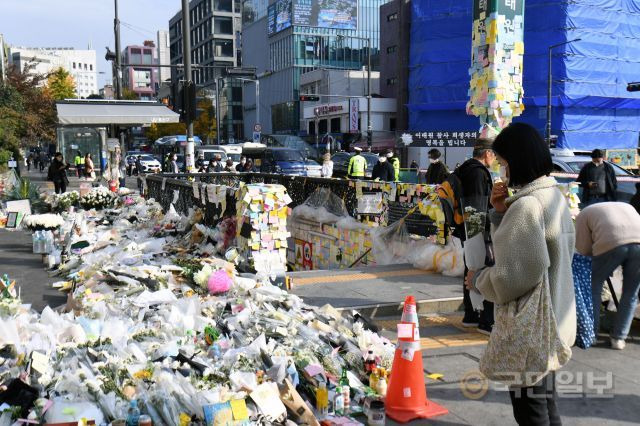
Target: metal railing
{"type": "Point", "coordinates": [299, 189]}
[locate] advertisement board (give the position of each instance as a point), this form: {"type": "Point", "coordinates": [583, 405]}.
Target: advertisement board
{"type": "Point", "coordinates": [354, 113]}
{"type": "Point", "coordinates": [337, 14]}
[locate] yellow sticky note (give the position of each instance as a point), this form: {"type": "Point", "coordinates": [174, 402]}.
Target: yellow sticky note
{"type": "Point", "coordinates": [435, 376]}
{"type": "Point", "coordinates": [239, 409]}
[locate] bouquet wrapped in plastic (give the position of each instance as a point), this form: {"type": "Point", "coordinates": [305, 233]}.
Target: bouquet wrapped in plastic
{"type": "Point", "coordinates": [475, 247]}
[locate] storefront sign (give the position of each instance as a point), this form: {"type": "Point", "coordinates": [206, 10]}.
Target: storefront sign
{"type": "Point", "coordinates": [354, 111]}
{"type": "Point", "coordinates": [327, 109]}
{"type": "Point", "coordinates": [444, 139]}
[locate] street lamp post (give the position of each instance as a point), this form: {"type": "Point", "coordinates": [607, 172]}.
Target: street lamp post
{"type": "Point", "coordinates": [218, 130]}
{"type": "Point", "coordinates": [549, 88]}
{"type": "Point", "coordinates": [186, 59]}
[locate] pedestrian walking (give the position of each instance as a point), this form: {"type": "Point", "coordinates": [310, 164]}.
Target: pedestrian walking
{"type": "Point", "coordinates": [215, 165]}
{"type": "Point", "coordinates": [327, 166]}
{"type": "Point", "coordinates": [79, 164]}
{"type": "Point", "coordinates": [610, 233]}
{"type": "Point", "coordinates": [200, 163]}
{"type": "Point", "coordinates": [476, 183]}
{"type": "Point", "coordinates": [89, 167]}
{"type": "Point", "coordinates": [357, 165]}
{"type": "Point", "coordinates": [139, 168]}
{"type": "Point", "coordinates": [383, 170]}
{"type": "Point", "coordinates": [241, 164]}
{"type": "Point", "coordinates": [437, 171]}
{"type": "Point", "coordinates": [29, 162]}
{"type": "Point", "coordinates": [173, 165]}
{"type": "Point", "coordinates": [44, 160]}
{"type": "Point", "coordinates": [635, 200]}
{"type": "Point", "coordinates": [598, 180]}
{"type": "Point", "coordinates": [531, 281]}
{"type": "Point", "coordinates": [249, 167]}
{"type": "Point", "coordinates": [58, 173]}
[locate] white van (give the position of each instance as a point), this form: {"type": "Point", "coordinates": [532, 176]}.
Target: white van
{"type": "Point", "coordinates": [231, 151]}
{"type": "Point", "coordinates": [209, 151]}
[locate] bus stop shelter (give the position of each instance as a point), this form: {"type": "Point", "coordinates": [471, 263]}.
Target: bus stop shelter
{"type": "Point", "coordinates": [83, 123]}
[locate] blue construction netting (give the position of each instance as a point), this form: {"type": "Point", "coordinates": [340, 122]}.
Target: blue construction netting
{"type": "Point", "coordinates": [591, 107]}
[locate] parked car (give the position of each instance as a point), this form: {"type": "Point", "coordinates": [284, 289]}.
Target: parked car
{"type": "Point", "coordinates": [341, 163]}
{"type": "Point", "coordinates": [313, 168]}
{"type": "Point", "coordinates": [149, 164]}
{"type": "Point", "coordinates": [567, 166]}
{"type": "Point", "coordinates": [283, 161]}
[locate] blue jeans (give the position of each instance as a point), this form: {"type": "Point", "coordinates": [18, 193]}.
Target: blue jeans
{"type": "Point", "coordinates": [603, 266]}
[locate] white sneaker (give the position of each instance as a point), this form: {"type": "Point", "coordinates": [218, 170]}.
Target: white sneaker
{"type": "Point", "coordinates": [617, 344]}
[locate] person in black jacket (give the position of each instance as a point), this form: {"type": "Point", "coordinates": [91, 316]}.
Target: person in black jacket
{"type": "Point", "coordinates": [635, 200]}
{"type": "Point", "coordinates": [437, 171]}
{"type": "Point", "coordinates": [383, 170]}
{"type": "Point", "coordinates": [476, 182]}
{"type": "Point", "coordinates": [58, 173]}
{"type": "Point", "coordinates": [598, 180]}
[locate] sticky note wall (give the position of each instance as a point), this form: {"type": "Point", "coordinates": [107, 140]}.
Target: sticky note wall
{"type": "Point", "coordinates": [496, 92]}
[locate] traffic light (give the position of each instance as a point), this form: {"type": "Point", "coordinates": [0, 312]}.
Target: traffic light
{"type": "Point", "coordinates": [189, 101]}
{"type": "Point", "coordinates": [309, 98]}
{"type": "Point", "coordinates": [633, 87]}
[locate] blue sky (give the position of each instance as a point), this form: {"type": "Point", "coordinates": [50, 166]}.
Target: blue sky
{"type": "Point", "coordinates": [76, 23]}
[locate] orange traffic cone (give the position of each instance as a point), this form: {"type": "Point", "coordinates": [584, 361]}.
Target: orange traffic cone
{"type": "Point", "coordinates": [407, 395]}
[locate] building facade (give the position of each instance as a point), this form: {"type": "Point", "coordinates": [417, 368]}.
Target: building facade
{"type": "Point", "coordinates": [163, 44]}
{"type": "Point", "coordinates": [215, 47]}
{"type": "Point", "coordinates": [3, 58]}
{"type": "Point", "coordinates": [287, 38]}
{"type": "Point", "coordinates": [142, 77]}
{"type": "Point", "coordinates": [81, 64]}
{"type": "Point", "coordinates": [107, 92]}
{"type": "Point", "coordinates": [395, 26]}
{"type": "Point", "coordinates": [591, 107]}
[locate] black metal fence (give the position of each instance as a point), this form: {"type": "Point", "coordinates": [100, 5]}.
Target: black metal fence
{"type": "Point", "coordinates": [299, 189]}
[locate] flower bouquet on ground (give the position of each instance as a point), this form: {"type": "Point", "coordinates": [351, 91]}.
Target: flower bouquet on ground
{"type": "Point", "coordinates": [62, 202]}
{"type": "Point", "coordinates": [98, 198]}
{"type": "Point", "coordinates": [475, 249]}
{"type": "Point", "coordinates": [43, 222]}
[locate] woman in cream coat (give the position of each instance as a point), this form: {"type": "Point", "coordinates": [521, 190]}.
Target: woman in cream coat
{"type": "Point", "coordinates": [533, 235]}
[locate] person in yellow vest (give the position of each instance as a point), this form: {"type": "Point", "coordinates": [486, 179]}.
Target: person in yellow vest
{"type": "Point", "coordinates": [357, 165]}
{"type": "Point", "coordinates": [395, 162]}
{"type": "Point", "coordinates": [79, 163]}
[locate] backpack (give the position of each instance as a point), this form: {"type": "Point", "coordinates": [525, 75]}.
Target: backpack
{"type": "Point", "coordinates": [450, 194]}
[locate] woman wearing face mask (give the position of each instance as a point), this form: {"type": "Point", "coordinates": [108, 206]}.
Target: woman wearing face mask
{"type": "Point", "coordinates": [437, 171]}
{"type": "Point", "coordinates": [531, 282]}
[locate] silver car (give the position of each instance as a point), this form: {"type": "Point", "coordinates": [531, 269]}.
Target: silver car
{"type": "Point", "coordinates": [567, 168]}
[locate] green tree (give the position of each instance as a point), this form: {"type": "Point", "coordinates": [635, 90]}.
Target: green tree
{"type": "Point", "coordinates": [27, 113]}
{"type": "Point", "coordinates": [129, 95]}
{"type": "Point", "coordinates": [60, 85]}
{"type": "Point", "coordinates": [205, 125]}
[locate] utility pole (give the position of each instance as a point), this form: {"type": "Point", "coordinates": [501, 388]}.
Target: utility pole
{"type": "Point", "coordinates": [369, 128]}
{"type": "Point", "coordinates": [116, 30]}
{"type": "Point", "coordinates": [186, 60]}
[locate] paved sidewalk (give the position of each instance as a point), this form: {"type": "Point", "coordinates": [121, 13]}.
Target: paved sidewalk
{"type": "Point", "coordinates": [452, 351]}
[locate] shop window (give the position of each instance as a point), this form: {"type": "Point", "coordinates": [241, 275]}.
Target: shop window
{"type": "Point", "coordinates": [335, 125]}
{"type": "Point", "coordinates": [322, 126]}
{"type": "Point", "coordinates": [392, 17]}
{"type": "Point", "coordinates": [312, 127]}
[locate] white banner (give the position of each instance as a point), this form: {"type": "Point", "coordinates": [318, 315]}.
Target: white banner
{"type": "Point", "coordinates": [354, 110]}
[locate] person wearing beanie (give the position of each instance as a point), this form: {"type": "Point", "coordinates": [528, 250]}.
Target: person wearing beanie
{"type": "Point", "coordinates": [437, 171]}
{"type": "Point", "coordinates": [598, 180]}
